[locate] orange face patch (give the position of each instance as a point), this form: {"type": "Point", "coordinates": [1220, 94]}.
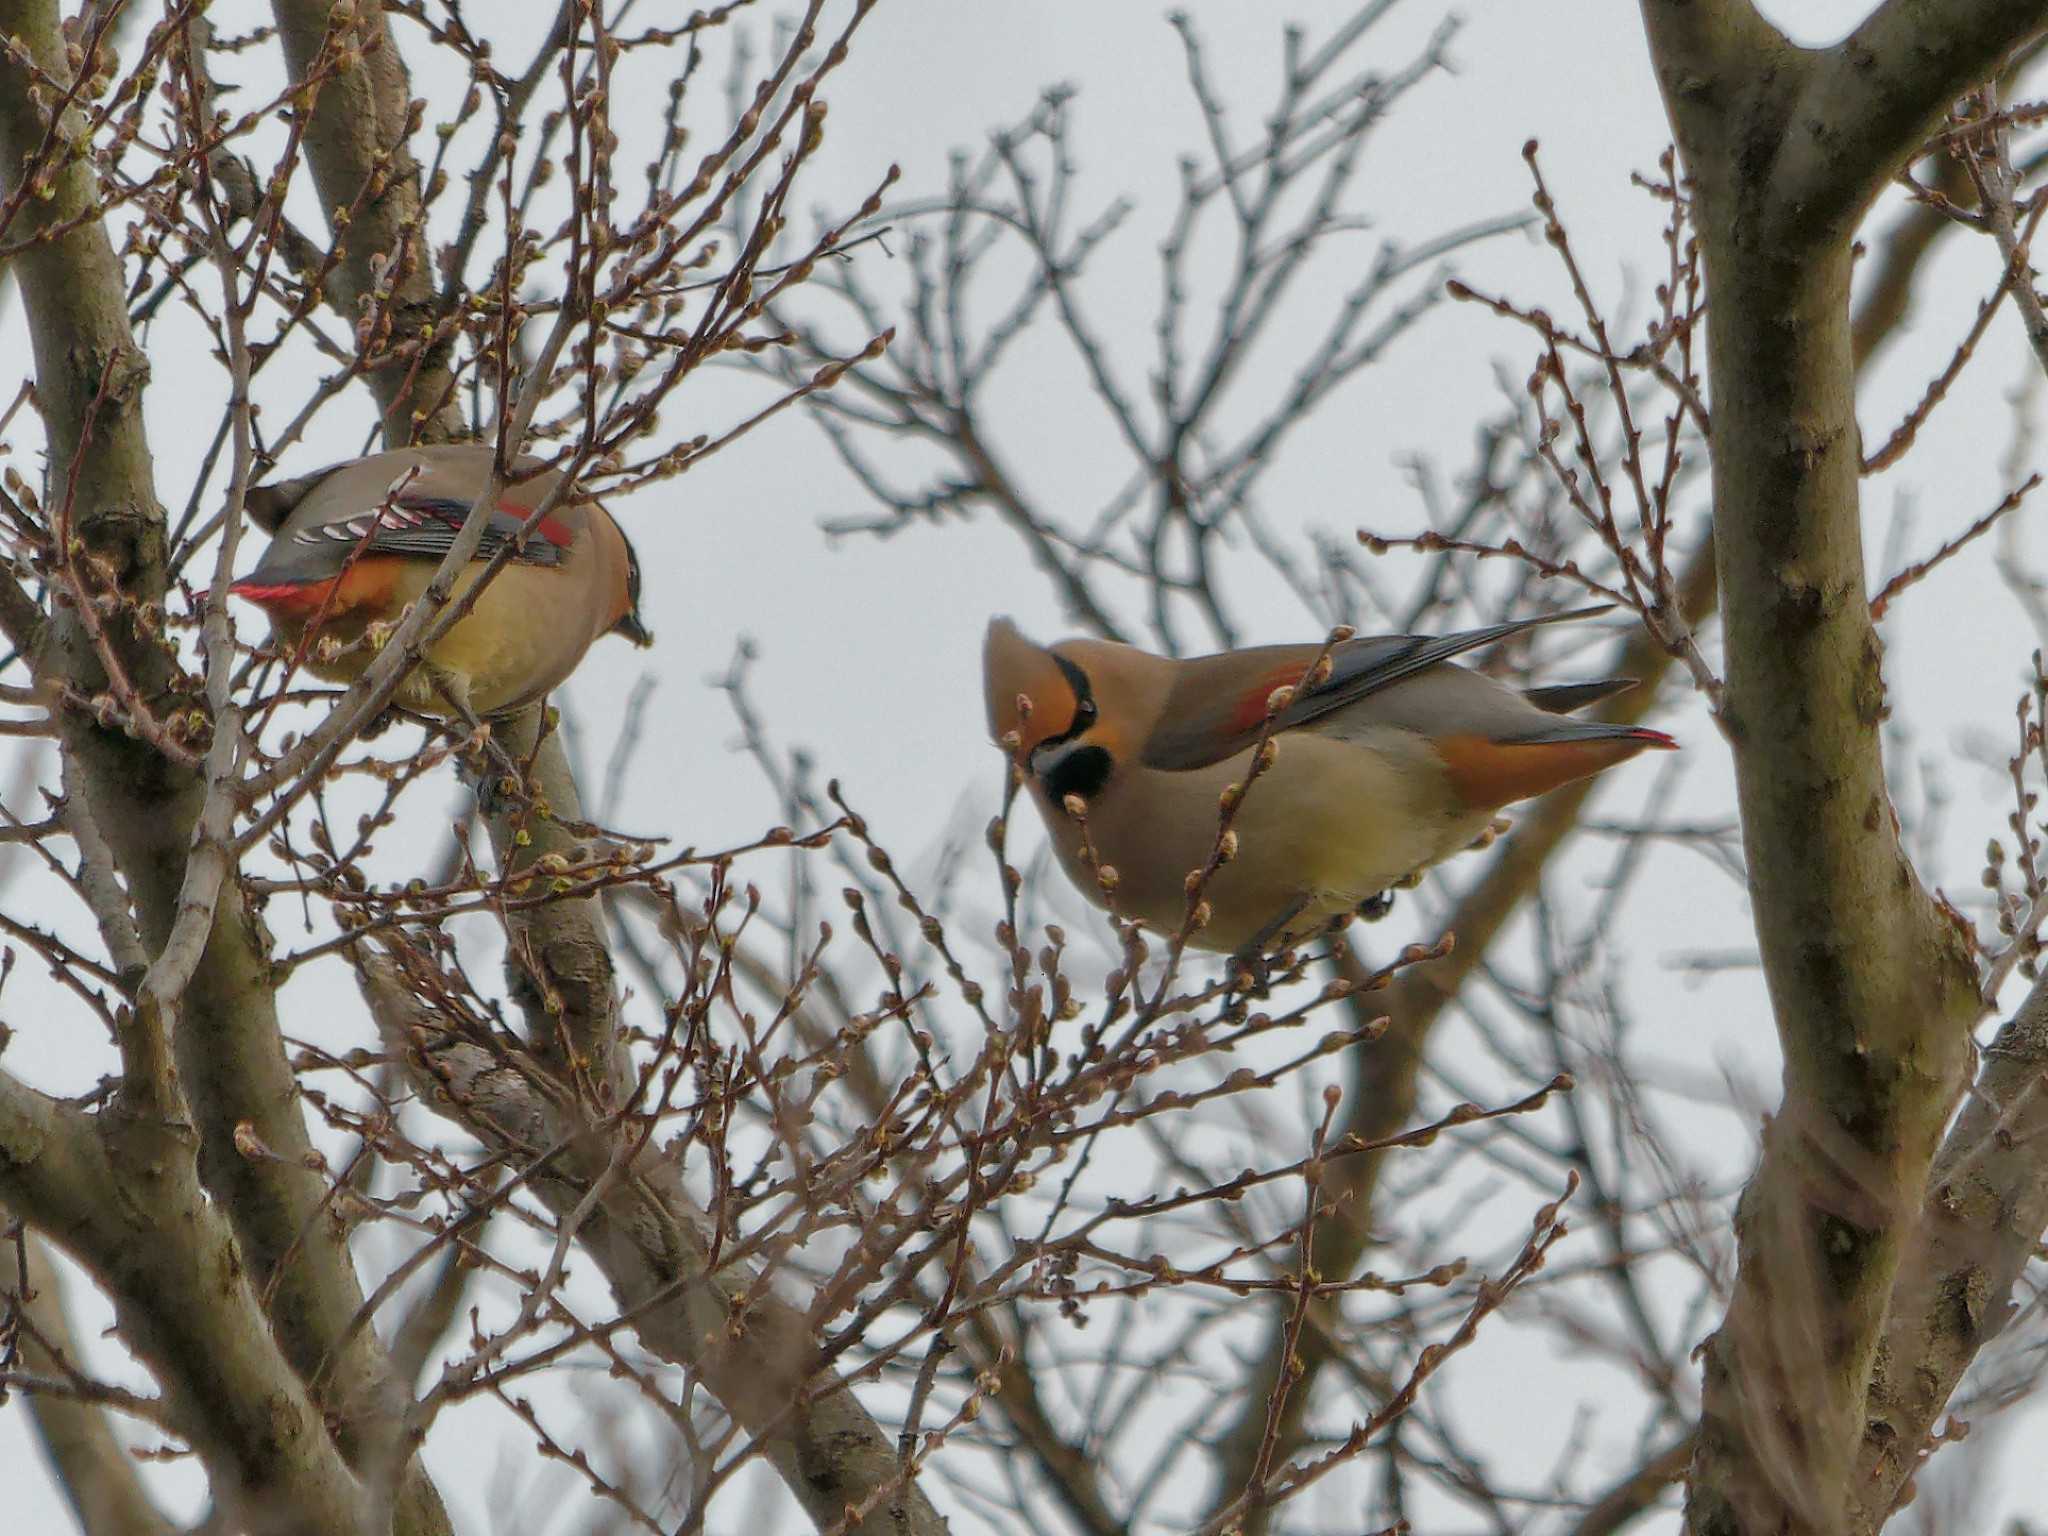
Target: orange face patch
{"type": "Point", "coordinates": [1012, 665]}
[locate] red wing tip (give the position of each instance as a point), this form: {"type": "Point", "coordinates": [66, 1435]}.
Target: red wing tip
{"type": "Point", "coordinates": [1657, 739]}
{"type": "Point", "coordinates": [551, 528]}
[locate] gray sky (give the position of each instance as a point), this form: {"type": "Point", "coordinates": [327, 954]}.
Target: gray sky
{"type": "Point", "coordinates": [868, 650]}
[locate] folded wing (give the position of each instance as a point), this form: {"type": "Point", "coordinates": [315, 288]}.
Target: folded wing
{"type": "Point", "coordinates": [1219, 703]}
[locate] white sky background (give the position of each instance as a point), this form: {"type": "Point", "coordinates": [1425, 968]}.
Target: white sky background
{"type": "Point", "coordinates": [869, 650]}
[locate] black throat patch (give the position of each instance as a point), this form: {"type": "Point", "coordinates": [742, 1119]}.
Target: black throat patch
{"type": "Point", "coordinates": [1082, 772]}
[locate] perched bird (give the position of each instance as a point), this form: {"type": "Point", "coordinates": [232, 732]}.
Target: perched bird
{"type": "Point", "coordinates": [1399, 758]}
{"type": "Point", "coordinates": [352, 545]}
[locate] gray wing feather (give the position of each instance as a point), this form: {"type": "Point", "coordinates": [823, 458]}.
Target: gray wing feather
{"type": "Point", "coordinates": [1363, 667]}
{"type": "Point", "coordinates": [270, 504]}
{"type": "Point", "coordinates": [419, 528]}
{"type": "Point", "coordinates": [1359, 668]}
{"type": "Point", "coordinates": [1563, 698]}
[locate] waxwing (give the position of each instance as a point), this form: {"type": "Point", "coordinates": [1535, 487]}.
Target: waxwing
{"type": "Point", "coordinates": [354, 544]}
{"type": "Point", "coordinates": [1399, 758]}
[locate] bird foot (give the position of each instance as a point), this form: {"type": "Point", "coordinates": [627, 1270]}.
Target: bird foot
{"type": "Point", "coordinates": [1251, 975]}
{"type": "Point", "coordinates": [1373, 908]}
{"type": "Point", "coordinates": [487, 767]}
{"type": "Point", "coordinates": [1251, 968]}
{"type": "Point", "coordinates": [497, 784]}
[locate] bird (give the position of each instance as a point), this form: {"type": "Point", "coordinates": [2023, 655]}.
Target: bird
{"type": "Point", "coordinates": [1395, 760]}
{"type": "Point", "coordinates": [353, 544]}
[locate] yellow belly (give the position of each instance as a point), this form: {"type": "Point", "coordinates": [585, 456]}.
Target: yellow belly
{"type": "Point", "coordinates": [1331, 825]}
{"type": "Point", "coordinates": [506, 651]}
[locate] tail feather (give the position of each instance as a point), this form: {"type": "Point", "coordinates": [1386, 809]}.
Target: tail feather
{"type": "Point", "coordinates": [1564, 698]}
{"type": "Point", "coordinates": [1488, 774]}
{"type": "Point", "coordinates": [1559, 732]}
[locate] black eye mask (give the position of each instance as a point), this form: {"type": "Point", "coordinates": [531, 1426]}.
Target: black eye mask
{"type": "Point", "coordinates": [1084, 700]}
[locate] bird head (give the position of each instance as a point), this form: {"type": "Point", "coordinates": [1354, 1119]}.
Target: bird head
{"type": "Point", "coordinates": [1083, 704]}
{"type": "Point", "coordinates": [629, 623]}
{"type": "Point", "coordinates": [1012, 668]}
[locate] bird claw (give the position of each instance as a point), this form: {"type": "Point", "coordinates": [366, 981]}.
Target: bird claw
{"type": "Point", "coordinates": [497, 791]}
{"type": "Point", "coordinates": [498, 780]}
{"type": "Point", "coordinates": [1373, 908]}
{"type": "Point", "coordinates": [492, 776]}
{"type": "Point", "coordinates": [1251, 975]}
{"type": "Point", "coordinates": [1252, 963]}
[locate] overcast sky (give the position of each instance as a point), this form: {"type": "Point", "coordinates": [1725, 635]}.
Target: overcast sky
{"type": "Point", "coordinates": [868, 650]}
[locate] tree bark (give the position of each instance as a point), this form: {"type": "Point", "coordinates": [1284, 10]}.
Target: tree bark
{"type": "Point", "coordinates": [125, 1201]}
{"type": "Point", "coordinates": [230, 1067]}
{"type": "Point", "coordinates": [1873, 988]}
{"type": "Point", "coordinates": [94, 1469]}
{"type": "Point", "coordinates": [359, 147]}
{"type": "Point", "coordinates": [1985, 1211]}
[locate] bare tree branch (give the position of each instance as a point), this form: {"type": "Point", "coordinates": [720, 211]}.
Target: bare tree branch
{"type": "Point", "coordinates": [1873, 987]}
{"type": "Point", "coordinates": [1872, 100]}
{"type": "Point", "coordinates": [358, 137]}
{"type": "Point", "coordinates": [163, 1253]}
{"type": "Point", "coordinates": [95, 1469]}
{"type": "Point", "coordinates": [230, 1064]}
{"type": "Point", "coordinates": [645, 1233]}
{"type": "Point", "coordinates": [1387, 1072]}
{"type": "Point", "coordinates": [1987, 1206]}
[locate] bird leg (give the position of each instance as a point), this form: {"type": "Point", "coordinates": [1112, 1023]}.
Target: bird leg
{"type": "Point", "coordinates": [1373, 908]}
{"type": "Point", "coordinates": [491, 767]}
{"type": "Point", "coordinates": [1251, 961]}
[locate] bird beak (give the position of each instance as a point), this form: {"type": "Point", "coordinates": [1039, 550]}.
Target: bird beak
{"type": "Point", "coordinates": [631, 627]}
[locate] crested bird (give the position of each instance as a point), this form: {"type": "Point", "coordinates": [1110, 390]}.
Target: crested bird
{"type": "Point", "coordinates": [353, 544]}
{"type": "Point", "coordinates": [1393, 761]}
